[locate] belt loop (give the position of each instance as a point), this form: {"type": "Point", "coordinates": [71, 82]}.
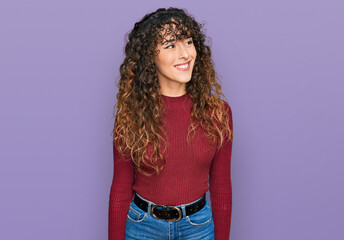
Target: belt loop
{"type": "Point", "coordinates": [183, 210]}
{"type": "Point", "coordinates": [149, 208]}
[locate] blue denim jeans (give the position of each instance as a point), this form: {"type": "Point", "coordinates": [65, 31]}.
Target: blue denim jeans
{"type": "Point", "coordinates": [142, 225]}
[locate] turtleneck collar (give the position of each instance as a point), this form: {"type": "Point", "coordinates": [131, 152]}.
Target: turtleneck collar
{"type": "Point", "coordinates": [176, 103]}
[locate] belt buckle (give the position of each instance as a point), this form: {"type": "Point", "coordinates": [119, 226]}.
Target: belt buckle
{"type": "Point", "coordinates": [170, 220]}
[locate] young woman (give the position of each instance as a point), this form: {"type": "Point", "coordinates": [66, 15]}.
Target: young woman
{"type": "Point", "coordinates": [172, 134]}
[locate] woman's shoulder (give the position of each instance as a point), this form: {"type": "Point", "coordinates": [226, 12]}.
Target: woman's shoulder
{"type": "Point", "coordinates": [227, 107]}
{"type": "Point", "coordinates": [228, 110]}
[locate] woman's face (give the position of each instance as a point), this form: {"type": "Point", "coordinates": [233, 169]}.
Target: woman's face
{"type": "Point", "coordinates": [174, 64]}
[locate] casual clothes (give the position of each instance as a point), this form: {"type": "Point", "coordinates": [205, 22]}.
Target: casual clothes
{"type": "Point", "coordinates": [184, 177]}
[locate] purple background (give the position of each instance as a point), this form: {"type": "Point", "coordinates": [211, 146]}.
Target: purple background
{"type": "Point", "coordinates": [282, 72]}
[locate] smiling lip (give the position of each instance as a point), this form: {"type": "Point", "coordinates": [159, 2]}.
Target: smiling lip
{"type": "Point", "coordinates": [183, 69]}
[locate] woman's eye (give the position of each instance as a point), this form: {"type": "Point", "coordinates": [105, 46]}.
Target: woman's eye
{"type": "Point", "coordinates": [172, 45]}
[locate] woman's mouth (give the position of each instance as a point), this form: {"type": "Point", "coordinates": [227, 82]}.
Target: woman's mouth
{"type": "Point", "coordinates": [183, 66]}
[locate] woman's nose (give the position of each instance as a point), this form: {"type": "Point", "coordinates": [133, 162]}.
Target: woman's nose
{"type": "Point", "coordinates": [182, 51]}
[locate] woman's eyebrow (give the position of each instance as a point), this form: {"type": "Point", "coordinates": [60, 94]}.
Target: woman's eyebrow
{"type": "Point", "coordinates": [167, 41]}
{"type": "Point", "coordinates": [172, 40]}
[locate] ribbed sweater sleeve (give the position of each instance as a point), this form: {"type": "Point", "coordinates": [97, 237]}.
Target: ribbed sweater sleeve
{"type": "Point", "coordinates": [121, 195]}
{"type": "Point", "coordinates": [220, 187]}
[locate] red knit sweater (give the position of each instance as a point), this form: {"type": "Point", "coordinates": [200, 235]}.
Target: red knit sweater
{"type": "Point", "coordinates": [184, 177]}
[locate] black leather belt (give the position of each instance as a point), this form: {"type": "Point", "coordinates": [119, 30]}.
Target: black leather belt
{"type": "Point", "coordinates": [169, 213]}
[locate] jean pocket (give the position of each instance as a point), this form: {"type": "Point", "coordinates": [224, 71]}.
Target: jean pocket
{"type": "Point", "coordinates": [136, 214]}
{"type": "Point", "coordinates": [201, 217]}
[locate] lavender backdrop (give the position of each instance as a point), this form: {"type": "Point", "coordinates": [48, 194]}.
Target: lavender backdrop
{"type": "Point", "coordinates": [282, 72]}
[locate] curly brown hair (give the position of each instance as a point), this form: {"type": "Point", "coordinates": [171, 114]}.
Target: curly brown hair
{"type": "Point", "coordinates": [139, 102]}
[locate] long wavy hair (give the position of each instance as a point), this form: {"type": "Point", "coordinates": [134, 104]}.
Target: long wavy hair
{"type": "Point", "coordinates": [140, 106]}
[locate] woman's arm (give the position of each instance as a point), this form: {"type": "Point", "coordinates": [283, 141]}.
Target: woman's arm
{"type": "Point", "coordinates": [220, 187]}
{"type": "Point", "coordinates": [121, 195]}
